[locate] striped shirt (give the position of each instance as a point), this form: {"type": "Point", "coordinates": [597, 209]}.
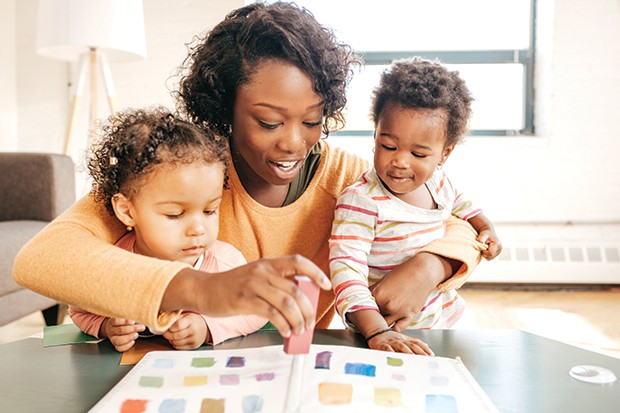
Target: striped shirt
{"type": "Point", "coordinates": [374, 232]}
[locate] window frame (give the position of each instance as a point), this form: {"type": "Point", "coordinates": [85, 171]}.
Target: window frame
{"type": "Point", "coordinates": [525, 57]}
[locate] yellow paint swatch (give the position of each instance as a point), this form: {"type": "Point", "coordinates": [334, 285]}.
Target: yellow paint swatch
{"type": "Point", "coordinates": [335, 393]}
{"type": "Point", "coordinates": [195, 380]}
{"type": "Point", "coordinates": [387, 397]}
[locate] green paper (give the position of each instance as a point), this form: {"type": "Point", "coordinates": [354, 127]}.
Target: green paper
{"type": "Point", "coordinates": [63, 334]}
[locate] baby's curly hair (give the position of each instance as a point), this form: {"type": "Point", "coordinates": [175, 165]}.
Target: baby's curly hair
{"type": "Point", "coordinates": [133, 142]}
{"type": "Point", "coordinates": [423, 84]}
{"type": "Point", "coordinates": [229, 54]}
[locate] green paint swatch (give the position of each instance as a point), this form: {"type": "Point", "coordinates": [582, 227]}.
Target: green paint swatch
{"type": "Point", "coordinates": [203, 362]}
{"type": "Point", "coordinates": [393, 361]}
{"type": "Point", "coordinates": [151, 381]}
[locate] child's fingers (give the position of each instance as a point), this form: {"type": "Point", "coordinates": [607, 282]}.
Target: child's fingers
{"type": "Point", "coordinates": [419, 347]}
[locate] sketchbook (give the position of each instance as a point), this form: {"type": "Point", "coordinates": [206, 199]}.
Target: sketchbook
{"type": "Point", "coordinates": [327, 379]}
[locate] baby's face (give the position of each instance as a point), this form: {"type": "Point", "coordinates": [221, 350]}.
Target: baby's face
{"type": "Point", "coordinates": [176, 211]}
{"type": "Point", "coordinates": [409, 144]}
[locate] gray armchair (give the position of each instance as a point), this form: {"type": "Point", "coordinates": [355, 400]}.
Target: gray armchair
{"type": "Point", "coordinates": [34, 189]}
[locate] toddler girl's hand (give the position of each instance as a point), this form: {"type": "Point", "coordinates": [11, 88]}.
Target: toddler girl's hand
{"type": "Point", "coordinates": [188, 332]}
{"type": "Point", "coordinates": [400, 343]}
{"type": "Point", "coordinates": [121, 332]}
{"type": "Point", "coordinates": [494, 245]}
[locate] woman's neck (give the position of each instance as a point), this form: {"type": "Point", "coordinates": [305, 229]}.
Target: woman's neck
{"type": "Point", "coordinates": [261, 191]}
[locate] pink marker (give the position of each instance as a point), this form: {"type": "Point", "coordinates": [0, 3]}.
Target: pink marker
{"type": "Point", "coordinates": [300, 344]}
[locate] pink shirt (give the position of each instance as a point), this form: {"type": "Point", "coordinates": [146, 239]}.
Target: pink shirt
{"type": "Point", "coordinates": [220, 257]}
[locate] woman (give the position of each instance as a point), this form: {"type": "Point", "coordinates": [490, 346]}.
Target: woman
{"type": "Point", "coordinates": [272, 80]}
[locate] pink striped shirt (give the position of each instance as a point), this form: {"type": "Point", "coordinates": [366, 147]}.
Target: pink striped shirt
{"type": "Point", "coordinates": [374, 232]}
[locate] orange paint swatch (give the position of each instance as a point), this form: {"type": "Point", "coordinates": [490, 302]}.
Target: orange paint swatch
{"type": "Point", "coordinates": [335, 393]}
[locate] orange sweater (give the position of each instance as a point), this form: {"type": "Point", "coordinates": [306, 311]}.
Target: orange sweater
{"type": "Point", "coordinates": [73, 259]}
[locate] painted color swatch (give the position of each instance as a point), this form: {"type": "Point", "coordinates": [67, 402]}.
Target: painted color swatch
{"type": "Point", "coordinates": [322, 360]}
{"type": "Point", "coordinates": [441, 381]}
{"type": "Point", "coordinates": [252, 404]}
{"type": "Point", "coordinates": [151, 381]}
{"type": "Point", "coordinates": [388, 397]}
{"type": "Point", "coordinates": [172, 406]}
{"type": "Point", "coordinates": [398, 377]}
{"type": "Point", "coordinates": [393, 361]}
{"type": "Point", "coordinates": [235, 361]}
{"type": "Point", "coordinates": [203, 362]}
{"type": "Point", "coordinates": [265, 376]}
{"type": "Point", "coordinates": [212, 405]}
{"type": "Point", "coordinates": [229, 379]}
{"type": "Point", "coordinates": [360, 369]}
{"type": "Point", "coordinates": [335, 393]}
{"type": "Point", "coordinates": [440, 403]}
{"type": "Point", "coordinates": [134, 406]}
{"type": "Point", "coordinates": [195, 380]}
{"type": "Point", "coordinates": [163, 363]}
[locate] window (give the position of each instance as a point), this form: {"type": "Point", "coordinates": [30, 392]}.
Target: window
{"type": "Point", "coordinates": [491, 44]}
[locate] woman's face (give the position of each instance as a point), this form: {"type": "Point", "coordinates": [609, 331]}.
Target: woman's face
{"type": "Point", "coordinates": [277, 119]}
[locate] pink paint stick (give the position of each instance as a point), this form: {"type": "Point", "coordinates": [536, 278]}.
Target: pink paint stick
{"type": "Point", "coordinates": [300, 344]}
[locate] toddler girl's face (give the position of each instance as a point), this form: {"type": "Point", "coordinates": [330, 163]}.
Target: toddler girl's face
{"type": "Point", "coordinates": [175, 211]}
{"type": "Point", "coordinates": [409, 144]}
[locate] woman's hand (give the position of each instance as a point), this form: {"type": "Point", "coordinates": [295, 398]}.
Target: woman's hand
{"type": "Point", "coordinates": [403, 292]}
{"type": "Point", "coordinates": [121, 332]}
{"type": "Point", "coordinates": [262, 287]}
{"type": "Point", "coordinates": [187, 333]}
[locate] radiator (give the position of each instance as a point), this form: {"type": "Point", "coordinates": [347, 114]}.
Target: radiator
{"type": "Point", "coordinates": [554, 254]}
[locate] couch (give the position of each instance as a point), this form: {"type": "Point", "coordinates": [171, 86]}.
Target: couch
{"type": "Point", "coordinates": [34, 189]}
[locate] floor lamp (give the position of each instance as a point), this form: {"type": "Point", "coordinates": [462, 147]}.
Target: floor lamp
{"type": "Point", "coordinates": [90, 32]}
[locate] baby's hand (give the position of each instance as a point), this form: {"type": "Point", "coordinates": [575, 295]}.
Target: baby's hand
{"type": "Point", "coordinates": [121, 332]}
{"type": "Point", "coordinates": [494, 245]}
{"type": "Point", "coordinates": [400, 343]}
{"type": "Point", "coordinates": [188, 332]}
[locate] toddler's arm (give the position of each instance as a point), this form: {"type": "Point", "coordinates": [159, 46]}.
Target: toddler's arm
{"type": "Point", "coordinates": [379, 336]}
{"type": "Point", "coordinates": [486, 235]}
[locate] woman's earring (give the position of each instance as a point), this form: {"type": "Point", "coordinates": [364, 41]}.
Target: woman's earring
{"type": "Point", "coordinates": [129, 228]}
{"type": "Point", "coordinates": [439, 166]}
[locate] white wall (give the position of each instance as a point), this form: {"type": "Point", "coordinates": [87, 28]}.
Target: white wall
{"type": "Point", "coordinates": [8, 77]}
{"type": "Point", "coordinates": [569, 172]}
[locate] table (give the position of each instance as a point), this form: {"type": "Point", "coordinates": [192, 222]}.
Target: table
{"type": "Point", "coordinates": [520, 372]}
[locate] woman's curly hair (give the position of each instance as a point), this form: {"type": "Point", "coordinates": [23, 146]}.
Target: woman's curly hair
{"type": "Point", "coordinates": [133, 142]}
{"type": "Point", "coordinates": [230, 53]}
{"type": "Point", "coordinates": [423, 84]}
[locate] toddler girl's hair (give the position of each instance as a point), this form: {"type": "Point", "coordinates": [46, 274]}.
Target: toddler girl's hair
{"type": "Point", "coordinates": [422, 84]}
{"type": "Point", "coordinates": [133, 142]}
{"type": "Point", "coordinates": [229, 54]}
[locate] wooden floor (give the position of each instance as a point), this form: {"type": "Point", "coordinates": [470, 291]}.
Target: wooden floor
{"type": "Point", "coordinates": [587, 318]}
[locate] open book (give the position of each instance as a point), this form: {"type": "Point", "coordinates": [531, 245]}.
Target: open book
{"type": "Point", "coordinates": [330, 379]}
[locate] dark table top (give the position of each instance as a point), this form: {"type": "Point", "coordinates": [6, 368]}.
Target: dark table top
{"type": "Point", "coordinates": [520, 372]}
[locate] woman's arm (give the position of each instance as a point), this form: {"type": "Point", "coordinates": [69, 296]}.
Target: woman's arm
{"type": "Point", "coordinates": [73, 261]}
{"type": "Point", "coordinates": [444, 264]}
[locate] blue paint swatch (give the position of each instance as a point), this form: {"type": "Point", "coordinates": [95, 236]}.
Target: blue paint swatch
{"type": "Point", "coordinates": [252, 403]}
{"type": "Point", "coordinates": [323, 360]}
{"type": "Point", "coordinates": [440, 403]}
{"type": "Point", "coordinates": [163, 363]}
{"type": "Point", "coordinates": [360, 369]}
{"type": "Point", "coordinates": [235, 361]}
{"type": "Point", "coordinates": [172, 406]}
{"type": "Point", "coordinates": [441, 381]}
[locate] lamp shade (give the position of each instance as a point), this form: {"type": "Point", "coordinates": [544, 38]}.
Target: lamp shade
{"type": "Point", "coordinates": [68, 28]}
